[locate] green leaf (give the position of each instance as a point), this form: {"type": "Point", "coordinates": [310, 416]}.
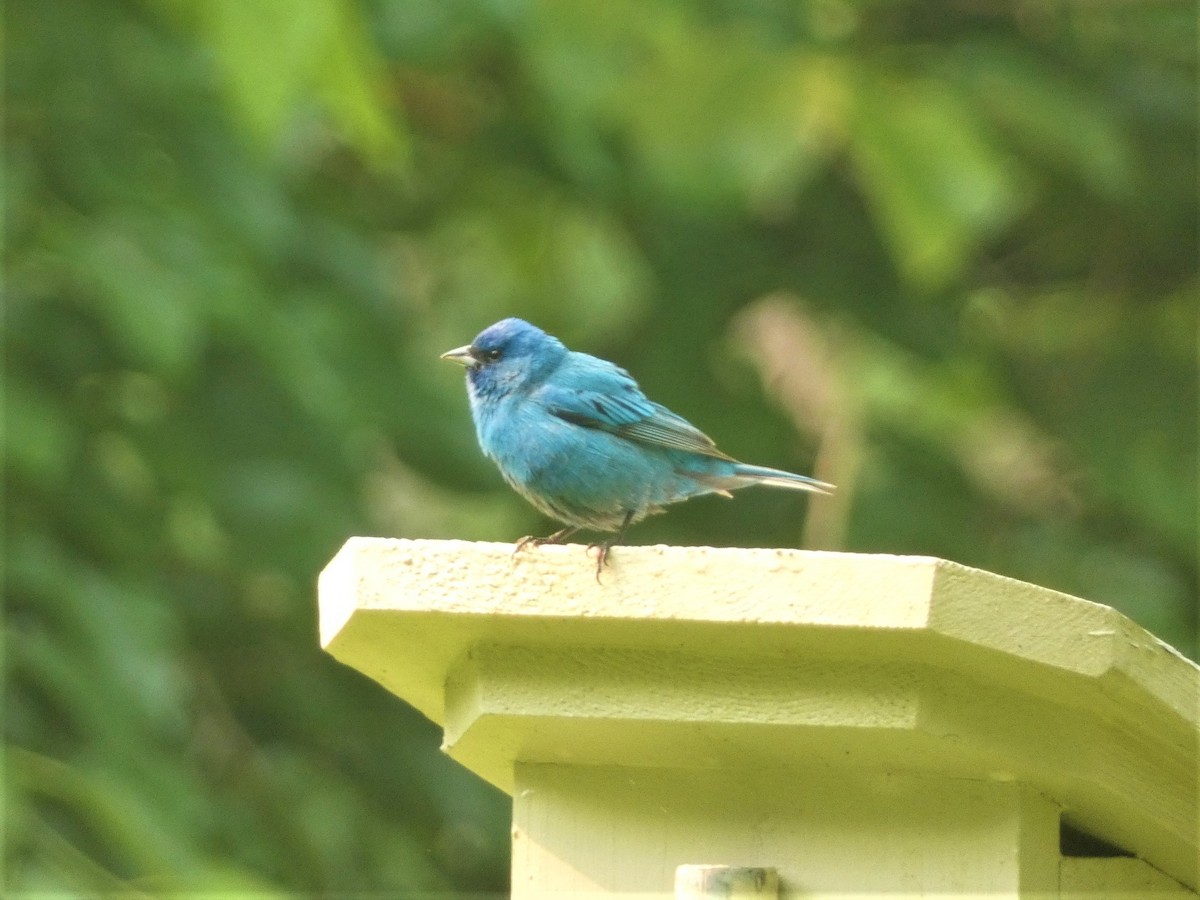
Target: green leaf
{"type": "Point", "coordinates": [38, 435]}
{"type": "Point", "coordinates": [149, 306]}
{"type": "Point", "coordinates": [1049, 115]}
{"type": "Point", "coordinates": [937, 181]}
{"type": "Point", "coordinates": [275, 55]}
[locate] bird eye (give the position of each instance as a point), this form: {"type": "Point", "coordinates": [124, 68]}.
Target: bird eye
{"type": "Point", "coordinates": [491, 355]}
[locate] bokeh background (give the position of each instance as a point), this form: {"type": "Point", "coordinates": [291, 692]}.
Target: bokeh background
{"type": "Point", "coordinates": [943, 255]}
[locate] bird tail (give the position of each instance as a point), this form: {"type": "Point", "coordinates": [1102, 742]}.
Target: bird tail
{"type": "Point", "coordinates": [781, 479]}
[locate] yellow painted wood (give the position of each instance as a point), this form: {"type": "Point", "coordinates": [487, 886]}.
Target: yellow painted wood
{"type": "Point", "coordinates": [1119, 878]}
{"type": "Point", "coordinates": [830, 833]}
{"type": "Point", "coordinates": [771, 660]}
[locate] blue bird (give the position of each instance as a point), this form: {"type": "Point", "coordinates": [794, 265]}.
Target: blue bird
{"type": "Point", "coordinates": [576, 437]}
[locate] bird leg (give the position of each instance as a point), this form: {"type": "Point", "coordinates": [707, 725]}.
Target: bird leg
{"type": "Point", "coordinates": [557, 538]}
{"type": "Point", "coordinates": [603, 547]}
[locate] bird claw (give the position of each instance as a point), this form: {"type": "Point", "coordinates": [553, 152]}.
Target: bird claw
{"type": "Point", "coordinates": [531, 541]}
{"type": "Point", "coordinates": [528, 541]}
{"type": "Point", "coordinates": [604, 547]}
{"type": "Point", "coordinates": [602, 550]}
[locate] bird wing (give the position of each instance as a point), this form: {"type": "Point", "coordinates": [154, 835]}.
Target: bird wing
{"type": "Point", "coordinates": [594, 393]}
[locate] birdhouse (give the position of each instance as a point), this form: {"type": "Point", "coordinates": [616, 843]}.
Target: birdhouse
{"type": "Point", "coordinates": [827, 725]}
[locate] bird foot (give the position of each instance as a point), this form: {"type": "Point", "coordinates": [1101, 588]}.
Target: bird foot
{"type": "Point", "coordinates": [602, 549]}
{"type": "Point", "coordinates": [531, 541]}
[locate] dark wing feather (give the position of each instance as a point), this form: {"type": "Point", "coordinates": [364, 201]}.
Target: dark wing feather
{"type": "Point", "coordinates": [666, 429]}
{"type": "Point", "coordinates": [593, 393]}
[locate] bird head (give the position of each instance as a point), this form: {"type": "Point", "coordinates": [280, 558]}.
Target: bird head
{"type": "Point", "coordinates": [507, 356]}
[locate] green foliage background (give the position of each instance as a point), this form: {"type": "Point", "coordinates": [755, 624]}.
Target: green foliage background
{"type": "Point", "coordinates": [941, 254]}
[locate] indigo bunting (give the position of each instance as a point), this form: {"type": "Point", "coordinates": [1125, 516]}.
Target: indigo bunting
{"type": "Point", "coordinates": [576, 437]}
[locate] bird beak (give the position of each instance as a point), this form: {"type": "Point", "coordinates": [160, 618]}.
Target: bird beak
{"type": "Point", "coordinates": [464, 356]}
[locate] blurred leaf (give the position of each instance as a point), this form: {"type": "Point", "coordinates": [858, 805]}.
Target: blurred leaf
{"type": "Point", "coordinates": [38, 439]}
{"type": "Point", "coordinates": [271, 59]}
{"type": "Point", "coordinates": [652, 72]}
{"type": "Point", "coordinates": [936, 179]}
{"type": "Point", "coordinates": [350, 84]}
{"type": "Point", "coordinates": [1052, 118]}
{"type": "Point", "coordinates": [520, 241]}
{"type": "Point", "coordinates": [150, 307]}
